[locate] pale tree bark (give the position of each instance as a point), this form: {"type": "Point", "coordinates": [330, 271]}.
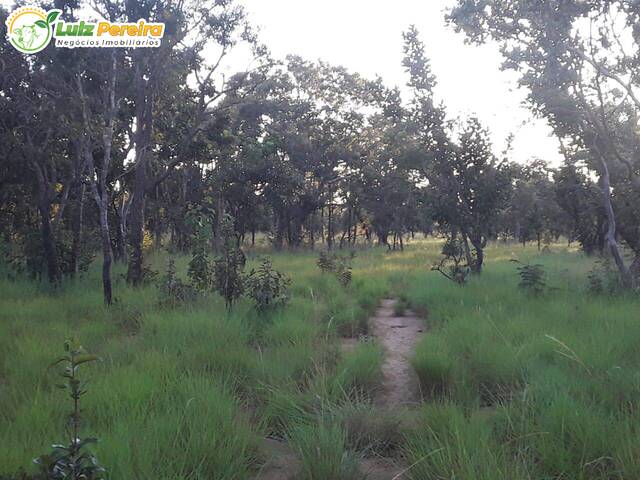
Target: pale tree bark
{"type": "Point", "coordinates": [98, 174]}
{"type": "Point", "coordinates": [610, 236]}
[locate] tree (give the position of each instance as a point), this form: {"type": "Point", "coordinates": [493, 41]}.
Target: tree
{"type": "Point", "coordinates": [582, 78]}
{"type": "Point", "coordinates": [470, 189]}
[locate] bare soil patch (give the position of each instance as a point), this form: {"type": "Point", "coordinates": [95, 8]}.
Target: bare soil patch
{"type": "Point", "coordinates": [398, 337]}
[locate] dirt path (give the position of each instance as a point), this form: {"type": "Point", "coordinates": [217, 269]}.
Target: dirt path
{"type": "Point", "coordinates": [398, 336]}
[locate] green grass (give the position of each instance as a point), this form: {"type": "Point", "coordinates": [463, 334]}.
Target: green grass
{"type": "Point", "coordinates": [515, 386]}
{"type": "Point", "coordinates": [548, 384]}
{"type": "Point", "coordinates": [184, 392]}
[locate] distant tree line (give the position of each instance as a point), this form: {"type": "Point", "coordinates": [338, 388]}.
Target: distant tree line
{"type": "Point", "coordinates": [109, 150]}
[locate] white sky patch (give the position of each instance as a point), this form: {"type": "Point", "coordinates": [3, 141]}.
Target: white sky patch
{"type": "Point", "coordinates": [365, 36]}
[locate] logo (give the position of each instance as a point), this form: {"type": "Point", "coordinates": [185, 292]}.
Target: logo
{"type": "Point", "coordinates": [30, 30]}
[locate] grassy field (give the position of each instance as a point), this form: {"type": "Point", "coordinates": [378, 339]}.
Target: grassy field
{"type": "Point", "coordinates": [515, 386]}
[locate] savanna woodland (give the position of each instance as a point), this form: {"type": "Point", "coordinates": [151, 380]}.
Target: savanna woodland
{"type": "Point", "coordinates": [298, 272]}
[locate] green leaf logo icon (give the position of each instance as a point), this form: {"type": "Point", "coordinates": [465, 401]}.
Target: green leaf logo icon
{"type": "Point", "coordinates": [30, 29]}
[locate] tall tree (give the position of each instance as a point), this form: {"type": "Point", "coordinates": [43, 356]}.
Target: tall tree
{"type": "Point", "coordinates": [582, 78]}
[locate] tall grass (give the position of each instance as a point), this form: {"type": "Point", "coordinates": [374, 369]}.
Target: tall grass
{"type": "Point", "coordinates": [550, 382]}
{"type": "Point", "coordinates": [516, 386]}
{"type": "Point", "coordinates": [185, 392]}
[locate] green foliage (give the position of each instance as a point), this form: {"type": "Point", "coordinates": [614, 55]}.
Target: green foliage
{"type": "Point", "coordinates": [326, 262]}
{"type": "Point", "coordinates": [532, 278]}
{"type": "Point", "coordinates": [25, 255]}
{"type": "Point", "coordinates": [200, 271]}
{"type": "Point", "coordinates": [344, 271]}
{"type": "Point", "coordinates": [172, 290]}
{"type": "Point", "coordinates": [268, 288]}
{"type": "Point", "coordinates": [228, 267]}
{"type": "Point", "coordinates": [603, 279]}
{"type": "Point", "coordinates": [452, 264]}
{"type": "Point", "coordinates": [339, 265]}
{"type": "Point", "coordinates": [560, 411]}
{"type": "Point", "coordinates": [74, 461]}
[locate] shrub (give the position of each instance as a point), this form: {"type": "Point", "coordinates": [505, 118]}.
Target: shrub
{"type": "Point", "coordinates": [172, 290]}
{"type": "Point", "coordinates": [603, 279]}
{"type": "Point", "coordinates": [339, 265]}
{"type": "Point", "coordinates": [268, 288]}
{"type": "Point", "coordinates": [326, 262]}
{"type": "Point", "coordinates": [228, 277]}
{"type": "Point", "coordinates": [199, 271]}
{"type": "Point", "coordinates": [74, 461]}
{"type": "Point", "coordinates": [532, 278]}
{"type": "Point", "coordinates": [452, 264]}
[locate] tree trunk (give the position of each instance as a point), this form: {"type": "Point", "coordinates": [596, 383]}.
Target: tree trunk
{"type": "Point", "coordinates": [479, 248]}
{"type": "Point", "coordinates": [78, 223]}
{"type": "Point", "coordinates": [467, 250]}
{"type": "Point", "coordinates": [144, 125]}
{"type": "Point", "coordinates": [106, 252]}
{"type": "Point", "coordinates": [330, 228]}
{"type": "Point", "coordinates": [49, 243]}
{"type": "Point", "coordinates": [121, 232]}
{"type": "Point", "coordinates": [220, 212]}
{"type": "Point", "coordinates": [136, 223]}
{"type": "Point", "coordinates": [610, 235]}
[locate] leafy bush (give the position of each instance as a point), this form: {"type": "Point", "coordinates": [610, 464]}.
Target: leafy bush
{"type": "Point", "coordinates": [532, 278]}
{"type": "Point", "coordinates": [603, 279]}
{"type": "Point", "coordinates": [172, 290]}
{"type": "Point", "coordinates": [74, 461]}
{"type": "Point", "coordinates": [326, 262]}
{"type": "Point", "coordinates": [339, 265]}
{"type": "Point", "coordinates": [452, 265]}
{"type": "Point", "coordinates": [268, 288]}
{"type": "Point", "coordinates": [344, 271]}
{"type": "Point", "coordinates": [228, 277]}
{"type": "Point", "coordinates": [25, 254]}
{"type": "Point", "coordinates": [200, 272]}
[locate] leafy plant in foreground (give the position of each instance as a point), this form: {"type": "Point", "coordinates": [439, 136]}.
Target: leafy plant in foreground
{"type": "Point", "coordinates": [268, 288]}
{"type": "Point", "coordinates": [74, 461]}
